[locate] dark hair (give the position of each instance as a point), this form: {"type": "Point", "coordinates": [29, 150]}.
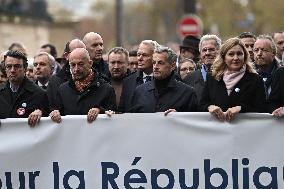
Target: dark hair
{"type": "Point", "coordinates": [19, 45]}
{"type": "Point", "coordinates": [67, 48]}
{"type": "Point", "coordinates": [17, 54]}
{"type": "Point", "coordinates": [247, 35]}
{"type": "Point", "coordinates": [172, 57]}
{"type": "Point", "coordinates": [53, 50]}
{"type": "Point", "coordinates": [132, 53]}
{"type": "Point", "coordinates": [2, 69]}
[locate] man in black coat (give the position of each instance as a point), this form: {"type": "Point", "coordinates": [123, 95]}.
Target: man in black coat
{"type": "Point", "coordinates": [209, 47]}
{"type": "Point", "coordinates": [85, 93]}
{"type": "Point", "coordinates": [276, 97]}
{"type": "Point", "coordinates": [20, 97]}
{"type": "Point", "coordinates": [265, 63]}
{"type": "Point", "coordinates": [143, 75]}
{"type": "Point", "coordinates": [64, 74]}
{"type": "Point", "coordinates": [164, 93]}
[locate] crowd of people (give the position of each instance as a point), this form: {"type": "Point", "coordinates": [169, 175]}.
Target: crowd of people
{"type": "Point", "coordinates": [243, 74]}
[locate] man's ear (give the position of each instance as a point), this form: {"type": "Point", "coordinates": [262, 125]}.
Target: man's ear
{"type": "Point", "coordinates": [52, 68]}
{"type": "Point", "coordinates": [173, 66]}
{"type": "Point", "coordinates": [65, 55]}
{"type": "Point", "coordinates": [91, 63]}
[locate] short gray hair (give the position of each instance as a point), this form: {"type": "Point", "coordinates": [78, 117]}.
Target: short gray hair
{"type": "Point", "coordinates": [172, 56]}
{"type": "Point", "coordinates": [119, 50]}
{"type": "Point", "coordinates": [152, 43]}
{"type": "Point", "coordinates": [268, 37]}
{"type": "Point", "coordinates": [208, 37]}
{"type": "Point", "coordinates": [50, 58]}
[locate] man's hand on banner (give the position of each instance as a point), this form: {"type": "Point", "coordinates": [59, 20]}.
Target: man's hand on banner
{"type": "Point", "coordinates": [278, 112]}
{"type": "Point", "coordinates": [55, 116]}
{"type": "Point", "coordinates": [34, 117]}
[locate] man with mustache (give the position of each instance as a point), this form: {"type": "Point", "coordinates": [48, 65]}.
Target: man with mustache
{"type": "Point", "coordinates": [95, 46]}
{"type": "Point", "coordinates": [265, 63]}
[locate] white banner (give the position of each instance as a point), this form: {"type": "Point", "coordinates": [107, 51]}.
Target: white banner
{"type": "Point", "coordinates": [182, 150]}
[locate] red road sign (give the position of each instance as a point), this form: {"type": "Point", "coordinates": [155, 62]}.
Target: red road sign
{"type": "Point", "coordinates": [189, 25]}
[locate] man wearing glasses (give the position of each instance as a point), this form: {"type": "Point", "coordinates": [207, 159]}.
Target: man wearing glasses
{"type": "Point", "coordinates": [209, 47]}
{"type": "Point", "coordinates": [20, 97]}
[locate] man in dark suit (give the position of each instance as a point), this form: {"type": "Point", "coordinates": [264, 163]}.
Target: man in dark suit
{"type": "Point", "coordinates": [164, 93]}
{"type": "Point", "coordinates": [143, 75]}
{"type": "Point", "coordinates": [209, 46]}
{"type": "Point", "coordinates": [20, 97]}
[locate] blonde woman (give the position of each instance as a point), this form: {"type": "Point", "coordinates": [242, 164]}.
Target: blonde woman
{"type": "Point", "coordinates": [234, 85]}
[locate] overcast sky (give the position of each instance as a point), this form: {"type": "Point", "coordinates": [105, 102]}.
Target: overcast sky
{"type": "Point", "coordinates": [80, 6]}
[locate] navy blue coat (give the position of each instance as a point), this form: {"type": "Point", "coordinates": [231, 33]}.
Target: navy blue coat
{"type": "Point", "coordinates": [129, 85]}
{"type": "Point", "coordinates": [177, 96]}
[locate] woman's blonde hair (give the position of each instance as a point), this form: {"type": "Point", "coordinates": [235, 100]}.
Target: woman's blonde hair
{"type": "Point", "coordinates": [219, 66]}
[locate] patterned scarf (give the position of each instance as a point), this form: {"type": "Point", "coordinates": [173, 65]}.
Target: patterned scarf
{"type": "Point", "coordinates": [81, 85]}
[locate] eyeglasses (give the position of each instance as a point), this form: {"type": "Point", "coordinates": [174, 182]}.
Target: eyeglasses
{"type": "Point", "coordinates": [16, 66]}
{"type": "Point", "coordinates": [187, 69]}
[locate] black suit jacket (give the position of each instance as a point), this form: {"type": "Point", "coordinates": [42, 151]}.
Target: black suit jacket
{"type": "Point", "coordinates": [55, 81]}
{"type": "Point", "coordinates": [129, 85]}
{"type": "Point", "coordinates": [196, 81]}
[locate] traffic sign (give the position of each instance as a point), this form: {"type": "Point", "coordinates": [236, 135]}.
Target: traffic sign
{"type": "Point", "coordinates": [189, 25]}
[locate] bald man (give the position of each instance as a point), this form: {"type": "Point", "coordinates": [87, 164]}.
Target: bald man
{"type": "Point", "coordinates": [85, 93]}
{"type": "Point", "coordinates": [64, 74]}
{"type": "Point", "coordinates": [95, 46]}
